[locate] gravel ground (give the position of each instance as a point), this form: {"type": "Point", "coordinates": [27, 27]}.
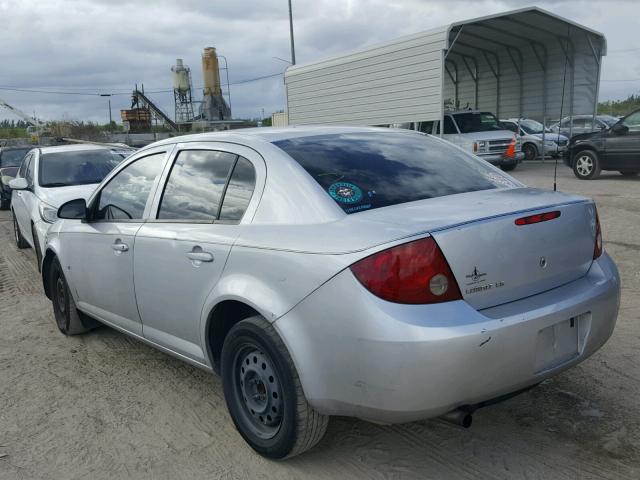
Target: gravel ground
{"type": "Point", "coordinates": [105, 406]}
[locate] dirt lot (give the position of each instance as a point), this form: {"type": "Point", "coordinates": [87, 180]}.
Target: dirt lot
{"type": "Point", "coordinates": [104, 406]}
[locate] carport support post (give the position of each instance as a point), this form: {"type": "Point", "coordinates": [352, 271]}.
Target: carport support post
{"type": "Point", "coordinates": [596, 56]}
{"type": "Point", "coordinates": [542, 60]}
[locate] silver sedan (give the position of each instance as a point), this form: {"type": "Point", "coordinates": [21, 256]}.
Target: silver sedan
{"type": "Point", "coordinates": [381, 274]}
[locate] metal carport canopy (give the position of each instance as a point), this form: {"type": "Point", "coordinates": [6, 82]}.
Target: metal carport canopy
{"type": "Point", "coordinates": [523, 63]}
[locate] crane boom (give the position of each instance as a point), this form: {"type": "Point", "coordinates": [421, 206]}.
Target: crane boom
{"type": "Point", "coordinates": [30, 120]}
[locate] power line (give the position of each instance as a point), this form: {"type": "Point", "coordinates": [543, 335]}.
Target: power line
{"type": "Point", "coordinates": [61, 91]}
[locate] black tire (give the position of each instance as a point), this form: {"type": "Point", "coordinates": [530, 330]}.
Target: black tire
{"type": "Point", "coordinates": [17, 235]}
{"type": "Point", "coordinates": [36, 246]}
{"type": "Point", "coordinates": [508, 168]}
{"type": "Point", "coordinates": [264, 396]}
{"type": "Point", "coordinates": [586, 165]}
{"type": "Point", "coordinates": [530, 151]}
{"type": "Point", "coordinates": [4, 204]}
{"type": "Point", "coordinates": [628, 173]}
{"type": "Point", "coordinates": [68, 318]}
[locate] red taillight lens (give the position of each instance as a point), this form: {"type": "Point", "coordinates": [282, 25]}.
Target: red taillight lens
{"type": "Point", "coordinates": [540, 217]}
{"type": "Point", "coordinates": [415, 272]}
{"type": "Point", "coordinates": [597, 249]}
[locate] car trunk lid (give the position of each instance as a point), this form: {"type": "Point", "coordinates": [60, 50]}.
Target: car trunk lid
{"type": "Point", "coordinates": [495, 260]}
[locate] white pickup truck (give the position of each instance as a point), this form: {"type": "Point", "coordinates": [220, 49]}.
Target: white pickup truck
{"type": "Point", "coordinates": [479, 133]}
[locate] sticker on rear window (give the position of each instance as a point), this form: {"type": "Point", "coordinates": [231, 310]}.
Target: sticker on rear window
{"type": "Point", "coordinates": [345, 192]}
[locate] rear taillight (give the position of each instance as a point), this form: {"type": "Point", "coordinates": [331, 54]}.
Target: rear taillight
{"type": "Point", "coordinates": [597, 249]}
{"type": "Point", "coordinates": [414, 272]}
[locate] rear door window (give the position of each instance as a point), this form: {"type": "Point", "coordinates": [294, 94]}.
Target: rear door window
{"type": "Point", "coordinates": [196, 185]}
{"type": "Point", "coordinates": [363, 171]}
{"type": "Point", "coordinates": [239, 191]}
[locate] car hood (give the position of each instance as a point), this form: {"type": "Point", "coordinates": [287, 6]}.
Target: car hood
{"type": "Point", "coordinates": [59, 195]}
{"type": "Point", "coordinates": [587, 136]}
{"type": "Point", "coordinates": [7, 174]}
{"type": "Point", "coordinates": [550, 137]}
{"type": "Point", "coordinates": [492, 135]}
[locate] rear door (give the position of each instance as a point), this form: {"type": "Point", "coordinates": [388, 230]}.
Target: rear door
{"type": "Point", "coordinates": [181, 252]}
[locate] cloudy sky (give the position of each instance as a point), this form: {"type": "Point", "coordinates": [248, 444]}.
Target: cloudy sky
{"type": "Point", "coordinates": [107, 46]}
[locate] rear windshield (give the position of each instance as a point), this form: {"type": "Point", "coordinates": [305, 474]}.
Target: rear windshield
{"type": "Point", "coordinates": [63, 169]}
{"type": "Point", "coordinates": [477, 122]}
{"type": "Point", "coordinates": [362, 171]}
{"type": "Point", "coordinates": [12, 158]}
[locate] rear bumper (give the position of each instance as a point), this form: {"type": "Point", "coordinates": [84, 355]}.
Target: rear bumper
{"type": "Point", "coordinates": [358, 355]}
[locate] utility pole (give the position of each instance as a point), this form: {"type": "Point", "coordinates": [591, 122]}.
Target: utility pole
{"type": "Point", "coordinates": [293, 48]}
{"type": "Point", "coordinates": [110, 120]}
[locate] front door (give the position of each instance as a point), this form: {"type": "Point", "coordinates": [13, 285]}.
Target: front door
{"type": "Point", "coordinates": [101, 249]}
{"type": "Point", "coordinates": [622, 149]}
{"type": "Point", "coordinates": [180, 255]}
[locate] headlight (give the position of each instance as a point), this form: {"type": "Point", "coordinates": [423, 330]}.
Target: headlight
{"type": "Point", "coordinates": [48, 213]}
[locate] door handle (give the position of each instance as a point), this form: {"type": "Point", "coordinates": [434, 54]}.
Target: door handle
{"type": "Point", "coordinates": [118, 246]}
{"type": "Point", "coordinates": [199, 255]}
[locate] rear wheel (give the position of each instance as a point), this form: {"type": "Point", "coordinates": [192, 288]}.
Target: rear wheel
{"type": "Point", "coordinates": [627, 173]}
{"type": "Point", "coordinates": [4, 204]}
{"type": "Point", "coordinates": [17, 235]}
{"type": "Point", "coordinates": [586, 165]}
{"type": "Point", "coordinates": [530, 151]}
{"type": "Point", "coordinates": [68, 318]}
{"type": "Point", "coordinates": [263, 392]}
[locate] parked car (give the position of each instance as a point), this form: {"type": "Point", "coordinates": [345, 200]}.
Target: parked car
{"type": "Point", "coordinates": [359, 276]}
{"type": "Point", "coordinates": [583, 124]}
{"type": "Point", "coordinates": [481, 134]}
{"type": "Point", "coordinates": [529, 133]}
{"type": "Point", "coordinates": [48, 177]}
{"type": "Point", "coordinates": [10, 159]}
{"type": "Point", "coordinates": [615, 148]}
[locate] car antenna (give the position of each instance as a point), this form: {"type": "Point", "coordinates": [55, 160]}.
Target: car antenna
{"type": "Point", "coordinates": [564, 82]}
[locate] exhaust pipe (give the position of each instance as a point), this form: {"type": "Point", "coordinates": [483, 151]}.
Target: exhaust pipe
{"type": "Point", "coordinates": [459, 417]}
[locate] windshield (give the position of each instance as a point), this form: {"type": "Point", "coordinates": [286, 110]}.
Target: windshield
{"type": "Point", "coordinates": [531, 126]}
{"type": "Point", "coordinates": [477, 122]}
{"type": "Point", "coordinates": [363, 171]}
{"type": "Point", "coordinates": [13, 157]}
{"type": "Point", "coordinates": [63, 169]}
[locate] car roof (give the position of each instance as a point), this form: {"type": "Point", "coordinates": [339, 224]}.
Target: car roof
{"type": "Point", "coordinates": [76, 148]}
{"type": "Point", "coordinates": [263, 135]}
{"type": "Point", "coordinates": [16, 147]}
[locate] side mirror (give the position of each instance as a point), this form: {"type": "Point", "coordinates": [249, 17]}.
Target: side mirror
{"type": "Point", "coordinates": [619, 129]}
{"type": "Point", "coordinates": [73, 210]}
{"type": "Point", "coordinates": [19, 184]}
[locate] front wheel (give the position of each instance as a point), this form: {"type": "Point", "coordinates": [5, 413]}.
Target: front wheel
{"type": "Point", "coordinates": [586, 165]}
{"type": "Point", "coordinates": [68, 318]}
{"type": "Point", "coordinates": [508, 168]}
{"type": "Point", "coordinates": [264, 394]}
{"type": "Point", "coordinates": [530, 151]}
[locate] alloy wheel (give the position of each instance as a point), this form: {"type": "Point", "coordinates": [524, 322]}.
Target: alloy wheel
{"type": "Point", "coordinates": [584, 165]}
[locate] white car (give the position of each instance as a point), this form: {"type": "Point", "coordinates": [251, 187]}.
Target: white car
{"type": "Point", "coordinates": [50, 176]}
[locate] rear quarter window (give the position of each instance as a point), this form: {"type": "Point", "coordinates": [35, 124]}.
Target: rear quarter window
{"type": "Point", "coordinates": [363, 171]}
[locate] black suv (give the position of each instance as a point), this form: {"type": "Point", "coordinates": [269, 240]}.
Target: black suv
{"type": "Point", "coordinates": [614, 148]}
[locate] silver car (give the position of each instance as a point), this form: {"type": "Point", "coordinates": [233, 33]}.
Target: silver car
{"type": "Point", "coordinates": [375, 273]}
{"type": "Point", "coordinates": [529, 133]}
